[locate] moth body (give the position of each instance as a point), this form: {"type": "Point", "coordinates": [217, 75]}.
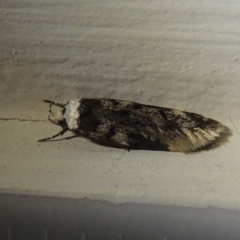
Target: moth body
{"type": "Point", "coordinates": [131, 125]}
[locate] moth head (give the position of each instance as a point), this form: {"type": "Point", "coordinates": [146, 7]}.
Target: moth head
{"type": "Point", "coordinates": [68, 117]}
{"type": "Point", "coordinates": [57, 117]}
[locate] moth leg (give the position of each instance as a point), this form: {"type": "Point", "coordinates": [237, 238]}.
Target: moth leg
{"type": "Point", "coordinates": [54, 136]}
{"type": "Point", "coordinates": [54, 103]}
{"type": "Point", "coordinates": [68, 138]}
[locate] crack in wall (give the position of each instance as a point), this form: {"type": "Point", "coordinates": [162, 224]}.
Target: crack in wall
{"type": "Point", "coordinates": [22, 120]}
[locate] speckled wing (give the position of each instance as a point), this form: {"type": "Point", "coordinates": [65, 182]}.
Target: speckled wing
{"type": "Point", "coordinates": [130, 125]}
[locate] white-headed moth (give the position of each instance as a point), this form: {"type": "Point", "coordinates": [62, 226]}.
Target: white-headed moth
{"type": "Point", "coordinates": [130, 125]}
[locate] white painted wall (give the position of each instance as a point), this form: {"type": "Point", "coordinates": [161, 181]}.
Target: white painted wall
{"type": "Point", "coordinates": [178, 54]}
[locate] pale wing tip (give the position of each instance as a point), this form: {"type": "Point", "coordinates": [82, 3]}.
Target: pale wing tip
{"type": "Point", "coordinates": [200, 138]}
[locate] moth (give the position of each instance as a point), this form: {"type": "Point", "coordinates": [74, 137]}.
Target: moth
{"type": "Point", "coordinates": [131, 125]}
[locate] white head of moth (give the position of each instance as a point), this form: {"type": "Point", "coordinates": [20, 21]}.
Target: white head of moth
{"type": "Point", "coordinates": [67, 116]}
